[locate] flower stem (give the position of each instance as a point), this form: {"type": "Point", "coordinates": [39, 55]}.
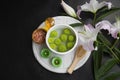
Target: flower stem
{"type": "Point", "coordinates": [94, 19]}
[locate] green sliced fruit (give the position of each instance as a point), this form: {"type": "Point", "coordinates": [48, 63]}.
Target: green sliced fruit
{"type": "Point", "coordinates": [45, 53]}
{"type": "Point", "coordinates": [56, 61]}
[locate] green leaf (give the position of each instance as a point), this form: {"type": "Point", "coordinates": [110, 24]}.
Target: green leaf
{"type": "Point", "coordinates": [112, 76]}
{"type": "Point", "coordinates": [97, 58]}
{"type": "Point", "coordinates": [117, 52]}
{"type": "Point", "coordinates": [103, 39]}
{"type": "Point", "coordinates": [105, 68]}
{"type": "Point", "coordinates": [102, 9]}
{"type": "Point", "coordinates": [107, 43]}
{"type": "Point", "coordinates": [76, 24]}
{"type": "Point", "coordinates": [105, 12]}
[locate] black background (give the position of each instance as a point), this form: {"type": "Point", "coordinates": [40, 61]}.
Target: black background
{"type": "Point", "coordinates": [24, 17]}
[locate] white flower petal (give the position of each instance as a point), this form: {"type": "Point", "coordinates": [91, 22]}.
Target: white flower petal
{"type": "Point", "coordinates": [88, 46]}
{"type": "Point", "coordinates": [69, 10]}
{"type": "Point", "coordinates": [114, 32]}
{"type": "Point", "coordinates": [106, 25]}
{"type": "Point", "coordinates": [88, 36]}
{"type": "Point", "coordinates": [109, 4]}
{"type": "Point", "coordinates": [94, 5]}
{"type": "Point", "coordinates": [89, 28]}
{"type": "Point", "coordinates": [87, 7]}
{"type": "Point", "coordinates": [78, 11]}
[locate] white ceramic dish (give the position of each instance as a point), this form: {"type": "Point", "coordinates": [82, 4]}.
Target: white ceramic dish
{"type": "Point", "coordinates": [66, 59]}
{"type": "Point", "coordinates": [59, 27]}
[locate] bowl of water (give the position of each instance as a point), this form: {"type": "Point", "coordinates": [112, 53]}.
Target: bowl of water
{"type": "Point", "coordinates": [61, 39]}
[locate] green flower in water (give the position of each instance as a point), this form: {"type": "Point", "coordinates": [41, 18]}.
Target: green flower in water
{"type": "Point", "coordinates": [57, 41]}
{"type": "Point", "coordinates": [70, 45]}
{"type": "Point", "coordinates": [71, 38]}
{"type": "Point", "coordinates": [50, 40]}
{"type": "Point", "coordinates": [67, 31]}
{"type": "Point", "coordinates": [63, 37]}
{"type": "Point", "coordinates": [54, 33]}
{"type": "Point", "coordinates": [53, 46]}
{"type": "Point", "coordinates": [62, 48]}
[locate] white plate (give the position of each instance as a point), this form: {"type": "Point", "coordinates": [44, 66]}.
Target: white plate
{"type": "Point", "coordinates": [66, 59]}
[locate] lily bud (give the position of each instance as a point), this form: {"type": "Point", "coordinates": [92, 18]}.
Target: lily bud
{"type": "Point", "coordinates": [69, 10]}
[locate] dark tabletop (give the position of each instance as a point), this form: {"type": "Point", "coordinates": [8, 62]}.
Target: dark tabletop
{"type": "Point", "coordinates": [26, 16]}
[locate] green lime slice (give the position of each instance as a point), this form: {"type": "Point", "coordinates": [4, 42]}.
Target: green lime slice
{"type": "Point", "coordinates": [57, 41]}
{"type": "Point", "coordinates": [63, 37]}
{"type": "Point", "coordinates": [54, 33]}
{"type": "Point", "coordinates": [71, 38]}
{"type": "Point", "coordinates": [62, 48]}
{"type": "Point", "coordinates": [56, 61]}
{"type": "Point", "coordinates": [67, 31]}
{"type": "Point", "coordinates": [45, 53]}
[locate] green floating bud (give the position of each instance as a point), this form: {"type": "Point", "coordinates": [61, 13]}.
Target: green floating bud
{"type": "Point", "coordinates": [67, 31]}
{"type": "Point", "coordinates": [53, 46]}
{"type": "Point", "coordinates": [56, 61]}
{"type": "Point", "coordinates": [50, 40]}
{"type": "Point", "coordinates": [70, 45]}
{"type": "Point", "coordinates": [54, 33]}
{"type": "Point", "coordinates": [71, 38]}
{"type": "Point", "coordinates": [62, 48]}
{"type": "Point", "coordinates": [63, 37]}
{"type": "Point", "coordinates": [57, 41]}
{"type": "Point", "coordinates": [45, 53]}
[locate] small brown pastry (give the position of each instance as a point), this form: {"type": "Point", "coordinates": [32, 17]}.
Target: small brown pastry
{"type": "Point", "coordinates": [39, 35]}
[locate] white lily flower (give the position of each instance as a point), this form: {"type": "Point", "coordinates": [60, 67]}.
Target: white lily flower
{"type": "Point", "coordinates": [88, 36]}
{"type": "Point", "coordinates": [94, 5]}
{"type": "Point", "coordinates": [113, 29]}
{"type": "Point", "coordinates": [69, 10]}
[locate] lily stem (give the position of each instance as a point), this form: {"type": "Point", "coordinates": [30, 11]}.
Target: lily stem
{"type": "Point", "coordinates": [94, 19]}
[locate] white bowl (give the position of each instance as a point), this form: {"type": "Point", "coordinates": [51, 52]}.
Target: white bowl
{"type": "Point", "coordinates": [59, 27]}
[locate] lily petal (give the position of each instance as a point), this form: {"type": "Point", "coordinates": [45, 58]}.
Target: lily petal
{"type": "Point", "coordinates": [69, 10]}
{"type": "Point", "coordinates": [88, 36]}
{"type": "Point", "coordinates": [94, 5]}
{"type": "Point", "coordinates": [109, 4]}
{"type": "Point", "coordinates": [89, 46]}
{"type": "Point", "coordinates": [106, 25]}
{"type": "Point", "coordinates": [89, 27]}
{"type": "Point", "coordinates": [114, 32]}
{"type": "Point", "coordinates": [78, 11]}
